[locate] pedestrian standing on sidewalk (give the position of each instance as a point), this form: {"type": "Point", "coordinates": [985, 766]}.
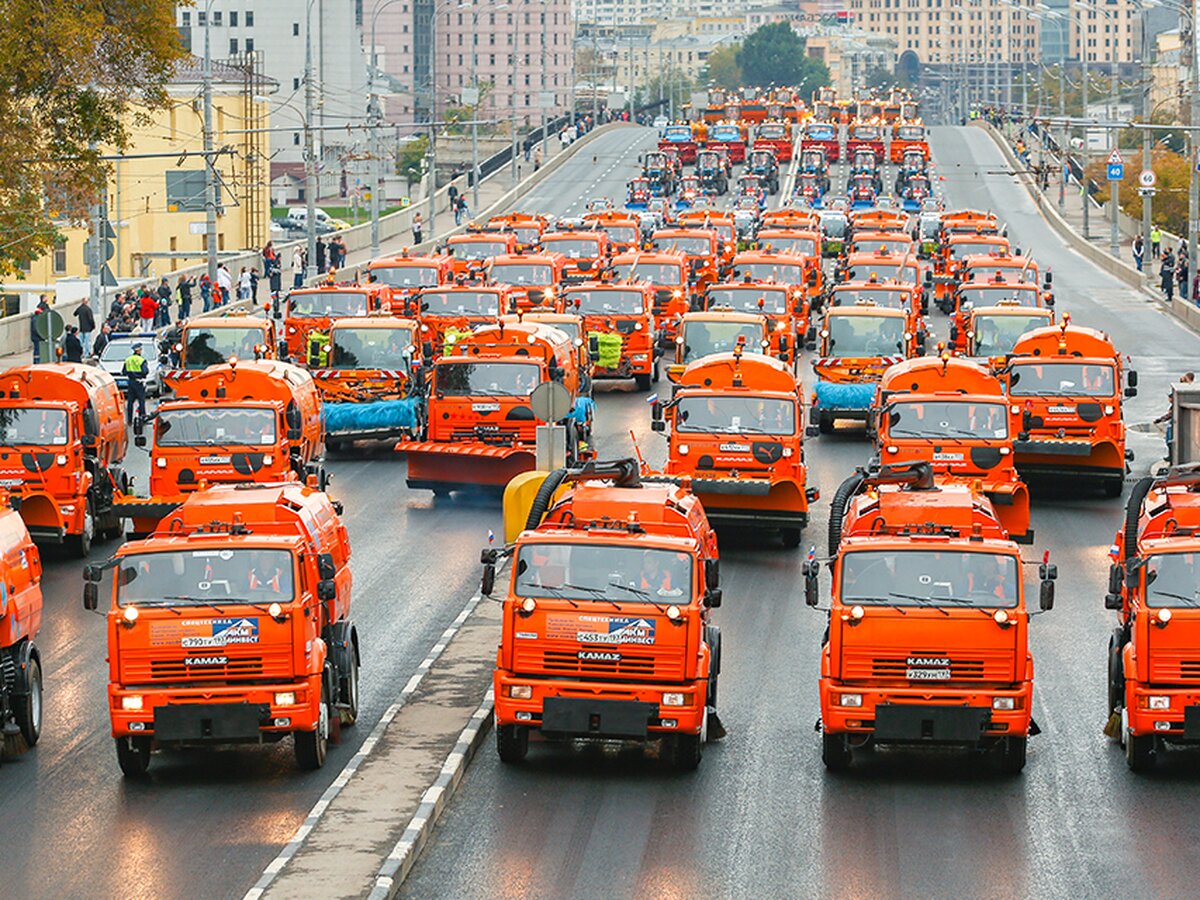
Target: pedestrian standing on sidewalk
{"type": "Point", "coordinates": [418, 227]}
{"type": "Point", "coordinates": [225, 283]}
{"type": "Point", "coordinates": [1181, 273]}
{"type": "Point", "coordinates": [537, 159]}
{"type": "Point", "coordinates": [185, 296]}
{"type": "Point", "coordinates": [452, 195]}
{"type": "Point", "coordinates": [206, 292]}
{"type": "Point", "coordinates": [1139, 251]}
{"type": "Point", "coordinates": [147, 310]}
{"type": "Point", "coordinates": [87, 325]}
{"type": "Point", "coordinates": [72, 346]}
{"type": "Point", "coordinates": [1155, 242]}
{"type": "Point", "coordinates": [42, 306]}
{"type": "Point", "coordinates": [1167, 272]}
{"type": "Point", "coordinates": [297, 267]}
{"type": "Point", "coordinates": [321, 248]}
{"type": "Point", "coordinates": [244, 284]}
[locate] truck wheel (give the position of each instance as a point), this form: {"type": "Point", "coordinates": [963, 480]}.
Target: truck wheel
{"type": "Point", "coordinates": [835, 752]}
{"type": "Point", "coordinates": [1116, 676]}
{"type": "Point", "coordinates": [312, 746]}
{"type": "Point", "coordinates": [791, 537]}
{"type": "Point", "coordinates": [28, 711]}
{"type": "Point", "coordinates": [1012, 755]}
{"type": "Point", "coordinates": [656, 372]}
{"type": "Point", "coordinates": [349, 715]}
{"type": "Point", "coordinates": [824, 422]}
{"type": "Point", "coordinates": [643, 382]}
{"type": "Point", "coordinates": [682, 752]}
{"type": "Point", "coordinates": [512, 743]}
{"type": "Point", "coordinates": [133, 756]}
{"type": "Point", "coordinates": [1114, 486]}
{"type": "Point", "coordinates": [1139, 752]}
{"type": "Point", "coordinates": [81, 544]}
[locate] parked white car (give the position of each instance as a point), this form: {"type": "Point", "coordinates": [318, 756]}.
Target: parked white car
{"type": "Point", "coordinates": [117, 350]}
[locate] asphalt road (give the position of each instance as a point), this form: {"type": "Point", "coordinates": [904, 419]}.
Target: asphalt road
{"type": "Point", "coordinates": [205, 824]}
{"type": "Point", "coordinates": [761, 818]}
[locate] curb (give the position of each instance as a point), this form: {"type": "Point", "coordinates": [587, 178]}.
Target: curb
{"type": "Point", "coordinates": [408, 849]}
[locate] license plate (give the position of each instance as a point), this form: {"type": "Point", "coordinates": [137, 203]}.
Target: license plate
{"type": "Point", "coordinates": [11, 482]}
{"type": "Point", "coordinates": [928, 675]}
{"type": "Point", "coordinates": [947, 457]}
{"type": "Point", "coordinates": [1061, 409]}
{"type": "Point", "coordinates": [735, 448]}
{"type": "Point", "coordinates": [485, 407]}
{"type": "Point", "coordinates": [214, 460]}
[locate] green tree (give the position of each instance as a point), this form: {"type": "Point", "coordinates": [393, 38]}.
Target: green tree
{"type": "Point", "coordinates": [69, 74]}
{"type": "Point", "coordinates": [410, 161]}
{"type": "Point", "coordinates": [721, 68]}
{"type": "Point", "coordinates": [665, 85]}
{"type": "Point", "coordinates": [775, 55]}
{"type": "Point", "coordinates": [880, 77]}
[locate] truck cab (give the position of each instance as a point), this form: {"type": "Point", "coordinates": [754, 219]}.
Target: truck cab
{"type": "Point", "coordinates": [953, 414]}
{"type": "Point", "coordinates": [736, 435]}
{"type": "Point", "coordinates": [667, 273]}
{"type": "Point", "coordinates": [310, 311]}
{"type": "Point", "coordinates": [991, 332]}
{"type": "Point", "coordinates": [62, 444]}
{"type": "Point", "coordinates": [680, 138]}
{"type": "Point", "coordinates": [927, 643]}
{"type": "Point", "coordinates": [718, 330]}
{"type": "Point", "coordinates": [447, 314]}
{"type": "Point", "coordinates": [701, 246]}
{"type": "Point", "coordinates": [406, 276]}
{"type": "Point", "coordinates": [1154, 651]}
{"type": "Point", "coordinates": [20, 622]}
{"type": "Point", "coordinates": [586, 253]}
{"type": "Point", "coordinates": [532, 280]}
{"type": "Point", "coordinates": [786, 309]}
{"type": "Point", "coordinates": [730, 137]}
{"type": "Point", "coordinates": [469, 252]}
{"type": "Point", "coordinates": [1069, 383]}
{"type": "Point", "coordinates": [623, 230]}
{"type": "Point", "coordinates": [527, 227]}
{"type": "Point", "coordinates": [996, 291]}
{"type": "Point", "coordinates": [607, 631]}
{"type": "Point", "coordinates": [620, 317]}
{"type": "Point", "coordinates": [212, 340]}
{"type": "Point", "coordinates": [231, 625]}
{"type": "Point", "coordinates": [775, 136]}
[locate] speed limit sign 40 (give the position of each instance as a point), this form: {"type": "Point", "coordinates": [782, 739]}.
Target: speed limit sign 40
{"type": "Point", "coordinates": [1147, 178]}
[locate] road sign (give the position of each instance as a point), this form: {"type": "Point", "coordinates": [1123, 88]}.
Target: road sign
{"type": "Point", "coordinates": [1147, 178]}
{"type": "Point", "coordinates": [1116, 172]}
{"type": "Point", "coordinates": [49, 325]}
{"type": "Point", "coordinates": [1147, 192]}
{"type": "Point", "coordinates": [1115, 158]}
{"type": "Point", "coordinates": [550, 401]}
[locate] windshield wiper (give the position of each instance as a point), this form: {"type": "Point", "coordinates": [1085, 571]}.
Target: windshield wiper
{"type": "Point", "coordinates": [561, 596]}
{"type": "Point", "coordinates": [927, 602]}
{"type": "Point", "coordinates": [874, 601]}
{"type": "Point", "coordinates": [199, 600]}
{"type": "Point", "coordinates": [638, 592]}
{"type": "Point", "coordinates": [1190, 601]}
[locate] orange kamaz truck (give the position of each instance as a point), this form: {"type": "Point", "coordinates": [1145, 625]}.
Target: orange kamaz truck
{"type": "Point", "coordinates": [928, 632]}
{"type": "Point", "coordinates": [953, 414]}
{"type": "Point", "coordinates": [1154, 650]}
{"type": "Point", "coordinates": [667, 273]}
{"type": "Point", "coordinates": [736, 436]}
{"type": "Point", "coordinates": [62, 444]}
{"type": "Point", "coordinates": [210, 341]}
{"type": "Point", "coordinates": [406, 275]}
{"type": "Point", "coordinates": [449, 313]}
{"type": "Point", "coordinates": [991, 332]}
{"type": "Point", "coordinates": [534, 280]}
{"type": "Point", "coordinates": [20, 622]}
{"type": "Point", "coordinates": [786, 308]}
{"type": "Point", "coordinates": [470, 252]}
{"type": "Point", "coordinates": [231, 424]}
{"type": "Point", "coordinates": [481, 429]}
{"type": "Point", "coordinates": [310, 311]}
{"type": "Point", "coordinates": [1069, 384]}
{"type": "Point", "coordinates": [585, 253]}
{"type": "Point", "coordinates": [619, 319]}
{"type": "Point", "coordinates": [231, 625]}
{"type": "Point", "coordinates": [606, 632]}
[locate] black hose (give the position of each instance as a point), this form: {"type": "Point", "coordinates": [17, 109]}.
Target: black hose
{"type": "Point", "coordinates": [837, 508]}
{"type": "Point", "coordinates": [1133, 510]}
{"type": "Point", "coordinates": [541, 502]}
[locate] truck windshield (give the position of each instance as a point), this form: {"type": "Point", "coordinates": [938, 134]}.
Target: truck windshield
{"type": "Point", "coordinates": [717, 414]}
{"type": "Point", "coordinates": [477, 249]}
{"type": "Point", "coordinates": [883, 272]}
{"type": "Point", "coordinates": [624, 234]}
{"type": "Point", "coordinates": [975, 248]}
{"type": "Point", "coordinates": [406, 276]}
{"type": "Point", "coordinates": [798, 246]}
{"type": "Point", "coordinates": [997, 335]}
{"type": "Point", "coordinates": [605, 573]}
{"type": "Point", "coordinates": [1062, 379]}
{"type": "Point", "coordinates": [514, 273]}
{"type": "Point", "coordinates": [780, 273]}
{"type": "Point", "coordinates": [654, 273]}
{"type": "Point", "coordinates": [993, 296]}
{"type": "Point", "coordinates": [862, 336]}
{"type": "Point", "coordinates": [896, 245]}
{"type": "Point", "coordinates": [833, 226]}
{"type": "Point", "coordinates": [883, 298]}
{"type": "Point", "coordinates": [460, 303]}
{"type": "Point", "coordinates": [747, 299]}
{"type": "Point", "coordinates": [202, 577]}
{"type": "Point", "coordinates": [948, 418]}
{"type": "Point", "coordinates": [32, 427]}
{"type": "Point", "coordinates": [910, 133]}
{"type": "Point", "coordinates": [325, 304]}
{"type": "Point", "coordinates": [772, 132]}
{"type": "Point", "coordinates": [692, 246]}
{"type": "Point", "coordinates": [371, 348]}
{"type": "Point", "coordinates": [224, 425]}
{"type": "Point", "coordinates": [204, 347]}
{"type": "Point", "coordinates": [608, 303]}
{"type": "Point", "coordinates": [497, 379]}
{"type": "Point", "coordinates": [1173, 579]}
{"type": "Point", "coordinates": [574, 248]}
{"type": "Point", "coordinates": [929, 577]}
{"type": "Point", "coordinates": [704, 338]}
{"type": "Point", "coordinates": [528, 234]}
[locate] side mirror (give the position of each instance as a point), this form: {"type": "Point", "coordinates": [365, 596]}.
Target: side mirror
{"type": "Point", "coordinates": [1048, 279]}
{"type": "Point", "coordinates": [91, 596]}
{"type": "Point", "coordinates": [1131, 379]}
{"type": "Point", "coordinates": [810, 571]}
{"type": "Point", "coordinates": [326, 590]}
{"type": "Point", "coordinates": [488, 582]}
{"type": "Point", "coordinates": [783, 344]}
{"type": "Point", "coordinates": [657, 422]}
{"type": "Point", "coordinates": [139, 440]}
{"type": "Point", "coordinates": [712, 574]}
{"type": "Point", "coordinates": [1050, 302]}
{"type": "Point", "coordinates": [325, 567]}
{"type": "Point", "coordinates": [812, 431]}
{"type": "Point", "coordinates": [921, 337]}
{"type": "Point", "coordinates": [1116, 580]}
{"type": "Point", "coordinates": [954, 332]}
{"type": "Point", "coordinates": [712, 598]}
{"type": "Point", "coordinates": [928, 278]}
{"type": "Point", "coordinates": [1046, 596]}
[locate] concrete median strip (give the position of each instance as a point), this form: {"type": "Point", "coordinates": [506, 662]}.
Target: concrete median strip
{"type": "Point", "coordinates": [364, 833]}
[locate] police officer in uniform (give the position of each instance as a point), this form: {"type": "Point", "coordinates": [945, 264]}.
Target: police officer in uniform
{"type": "Point", "coordinates": [136, 371]}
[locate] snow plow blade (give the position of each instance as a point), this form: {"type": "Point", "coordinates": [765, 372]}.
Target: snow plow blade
{"type": "Point", "coordinates": [437, 467]}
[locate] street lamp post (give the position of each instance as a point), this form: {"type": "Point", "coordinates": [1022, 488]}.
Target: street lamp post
{"type": "Point", "coordinates": [375, 117]}
{"type": "Point", "coordinates": [516, 44]}
{"type": "Point", "coordinates": [310, 162]}
{"type": "Point", "coordinates": [1086, 131]}
{"type": "Point", "coordinates": [210, 183]}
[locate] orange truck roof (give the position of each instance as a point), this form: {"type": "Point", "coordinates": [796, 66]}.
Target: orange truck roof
{"type": "Point", "coordinates": [947, 375]}
{"type": "Point", "coordinates": [1065, 340]}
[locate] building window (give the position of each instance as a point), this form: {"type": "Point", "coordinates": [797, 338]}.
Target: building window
{"type": "Point", "coordinates": [249, 18]}
{"type": "Point", "coordinates": [295, 139]}
{"type": "Point", "coordinates": [295, 84]}
{"type": "Point", "coordinates": [60, 258]}
{"type": "Point", "coordinates": [216, 17]}
{"type": "Point", "coordinates": [201, 18]}
{"type": "Point", "coordinates": [295, 29]}
{"type": "Point", "coordinates": [233, 46]}
{"type": "Point", "coordinates": [249, 45]}
{"type": "Point", "coordinates": [233, 18]}
{"type": "Point", "coordinates": [185, 19]}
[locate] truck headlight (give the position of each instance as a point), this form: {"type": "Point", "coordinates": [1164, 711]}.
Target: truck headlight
{"type": "Point", "coordinates": [130, 616]}
{"type": "Point", "coordinates": [520, 691]}
{"type": "Point", "coordinates": [1156, 701]}
{"type": "Point", "coordinates": [285, 698]}
{"type": "Point", "coordinates": [132, 702]}
{"type": "Point", "coordinates": [672, 699]}
{"type": "Point", "coordinates": [1004, 703]}
{"type": "Point", "coordinates": [850, 700]}
{"type": "Point", "coordinates": [161, 462]}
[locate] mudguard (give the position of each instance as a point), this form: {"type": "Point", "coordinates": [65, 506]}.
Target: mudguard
{"type": "Point", "coordinates": [341, 644]}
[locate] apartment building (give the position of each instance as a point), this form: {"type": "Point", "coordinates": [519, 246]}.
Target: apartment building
{"type": "Point", "coordinates": [943, 31]}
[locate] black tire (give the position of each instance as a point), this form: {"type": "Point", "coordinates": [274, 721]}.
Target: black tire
{"type": "Point", "coordinates": [512, 743]}
{"type": "Point", "coordinates": [656, 372]}
{"type": "Point", "coordinates": [312, 747]}
{"type": "Point", "coordinates": [642, 381]}
{"type": "Point", "coordinates": [1114, 486]}
{"type": "Point", "coordinates": [1116, 674]}
{"type": "Point", "coordinates": [28, 710]}
{"type": "Point", "coordinates": [836, 752]}
{"type": "Point", "coordinates": [1139, 752]}
{"type": "Point", "coordinates": [349, 714]}
{"type": "Point", "coordinates": [824, 422]}
{"type": "Point", "coordinates": [791, 537]}
{"type": "Point", "coordinates": [1012, 755]}
{"type": "Point", "coordinates": [81, 544]}
{"type": "Point", "coordinates": [682, 752]}
{"type": "Point", "coordinates": [332, 445]}
{"type": "Point", "coordinates": [133, 756]}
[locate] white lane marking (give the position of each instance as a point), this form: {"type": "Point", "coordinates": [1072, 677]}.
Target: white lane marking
{"type": "Point", "coordinates": [314, 816]}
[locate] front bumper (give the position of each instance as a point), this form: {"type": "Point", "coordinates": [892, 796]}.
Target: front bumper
{"type": "Point", "coordinates": [215, 714]}
{"type": "Point", "coordinates": [1179, 723]}
{"type": "Point", "coordinates": [600, 709]}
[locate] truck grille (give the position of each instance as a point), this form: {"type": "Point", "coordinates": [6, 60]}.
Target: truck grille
{"type": "Point", "coordinates": [146, 667]}
{"type": "Point", "coordinates": [1174, 668]}
{"type": "Point", "coordinates": [567, 661]}
{"type": "Point", "coordinates": [973, 665]}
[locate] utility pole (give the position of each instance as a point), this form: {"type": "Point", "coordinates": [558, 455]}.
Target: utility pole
{"type": "Point", "coordinates": [210, 181]}
{"type": "Point", "coordinates": [1083, 182]}
{"type": "Point", "coordinates": [433, 122]}
{"type": "Point", "coordinates": [516, 35]}
{"type": "Point", "coordinates": [310, 162]}
{"type": "Point", "coordinates": [1147, 136]}
{"type": "Point", "coordinates": [1193, 121]}
{"type": "Point", "coordinates": [542, 91]}
{"type": "Point", "coordinates": [474, 105]}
